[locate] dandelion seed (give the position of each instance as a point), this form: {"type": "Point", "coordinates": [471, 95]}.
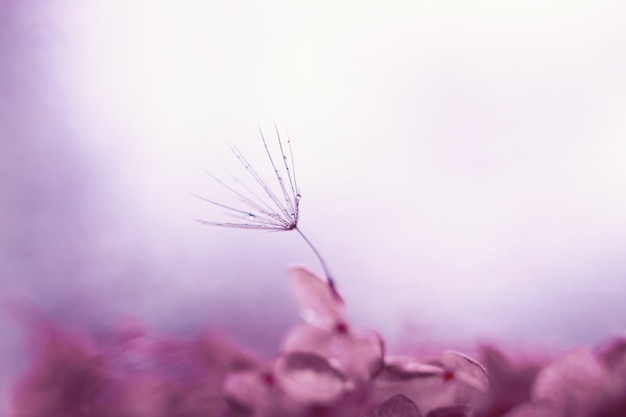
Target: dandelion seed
{"type": "Point", "coordinates": [264, 208]}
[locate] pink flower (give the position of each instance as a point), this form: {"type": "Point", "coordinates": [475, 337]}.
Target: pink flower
{"type": "Point", "coordinates": [69, 377]}
{"type": "Point", "coordinates": [510, 381]}
{"type": "Point", "coordinates": [356, 353]}
{"type": "Point", "coordinates": [292, 383]}
{"type": "Point", "coordinates": [582, 383]}
{"type": "Point", "coordinates": [447, 380]}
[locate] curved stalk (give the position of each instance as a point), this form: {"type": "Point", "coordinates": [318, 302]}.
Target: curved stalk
{"type": "Point", "coordinates": [330, 280]}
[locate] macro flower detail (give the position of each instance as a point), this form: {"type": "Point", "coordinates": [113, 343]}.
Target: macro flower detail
{"type": "Point", "coordinates": [255, 393]}
{"type": "Point", "coordinates": [510, 380]}
{"type": "Point", "coordinates": [320, 303]}
{"type": "Point", "coordinates": [465, 370]}
{"type": "Point", "coordinates": [449, 379]}
{"type": "Point", "coordinates": [292, 381]}
{"type": "Point", "coordinates": [326, 367]}
{"type": "Point", "coordinates": [581, 383]}
{"type": "Point", "coordinates": [309, 378]}
{"type": "Point", "coordinates": [356, 353]}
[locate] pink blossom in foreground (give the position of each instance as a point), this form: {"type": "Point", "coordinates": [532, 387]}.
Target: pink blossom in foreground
{"type": "Point", "coordinates": [510, 381]}
{"type": "Point", "coordinates": [449, 379]}
{"type": "Point", "coordinates": [327, 368]}
{"type": "Point", "coordinates": [356, 353]}
{"type": "Point", "coordinates": [581, 383]}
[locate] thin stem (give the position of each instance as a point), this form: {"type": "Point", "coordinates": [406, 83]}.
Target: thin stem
{"type": "Point", "coordinates": [331, 282]}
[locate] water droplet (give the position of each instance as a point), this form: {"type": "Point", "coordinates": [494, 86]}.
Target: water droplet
{"type": "Point", "coordinates": [251, 216]}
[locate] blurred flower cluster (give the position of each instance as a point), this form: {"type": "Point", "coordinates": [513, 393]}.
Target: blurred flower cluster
{"type": "Point", "coordinates": [326, 368]}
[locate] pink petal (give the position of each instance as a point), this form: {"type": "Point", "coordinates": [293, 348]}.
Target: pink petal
{"type": "Point", "coordinates": [320, 304]}
{"type": "Point", "coordinates": [452, 380]}
{"type": "Point", "coordinates": [253, 393]}
{"type": "Point", "coordinates": [396, 406]}
{"type": "Point", "coordinates": [466, 370]}
{"type": "Point", "coordinates": [510, 380]}
{"type": "Point", "coordinates": [307, 338]}
{"type": "Point", "coordinates": [576, 384]}
{"type": "Point", "coordinates": [68, 377]}
{"type": "Point", "coordinates": [426, 392]}
{"type": "Point", "coordinates": [357, 354]}
{"type": "Point", "coordinates": [405, 369]}
{"type": "Point", "coordinates": [308, 378]}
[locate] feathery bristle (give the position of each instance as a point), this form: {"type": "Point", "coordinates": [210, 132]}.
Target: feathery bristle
{"type": "Point", "coordinates": [265, 209]}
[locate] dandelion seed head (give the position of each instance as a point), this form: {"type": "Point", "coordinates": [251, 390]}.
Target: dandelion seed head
{"type": "Point", "coordinates": [262, 206]}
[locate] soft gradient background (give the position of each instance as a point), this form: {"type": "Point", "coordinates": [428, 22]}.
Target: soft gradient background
{"type": "Point", "coordinates": [462, 165]}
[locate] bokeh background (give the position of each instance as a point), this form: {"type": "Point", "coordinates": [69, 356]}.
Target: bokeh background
{"type": "Point", "coordinates": [462, 166]}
